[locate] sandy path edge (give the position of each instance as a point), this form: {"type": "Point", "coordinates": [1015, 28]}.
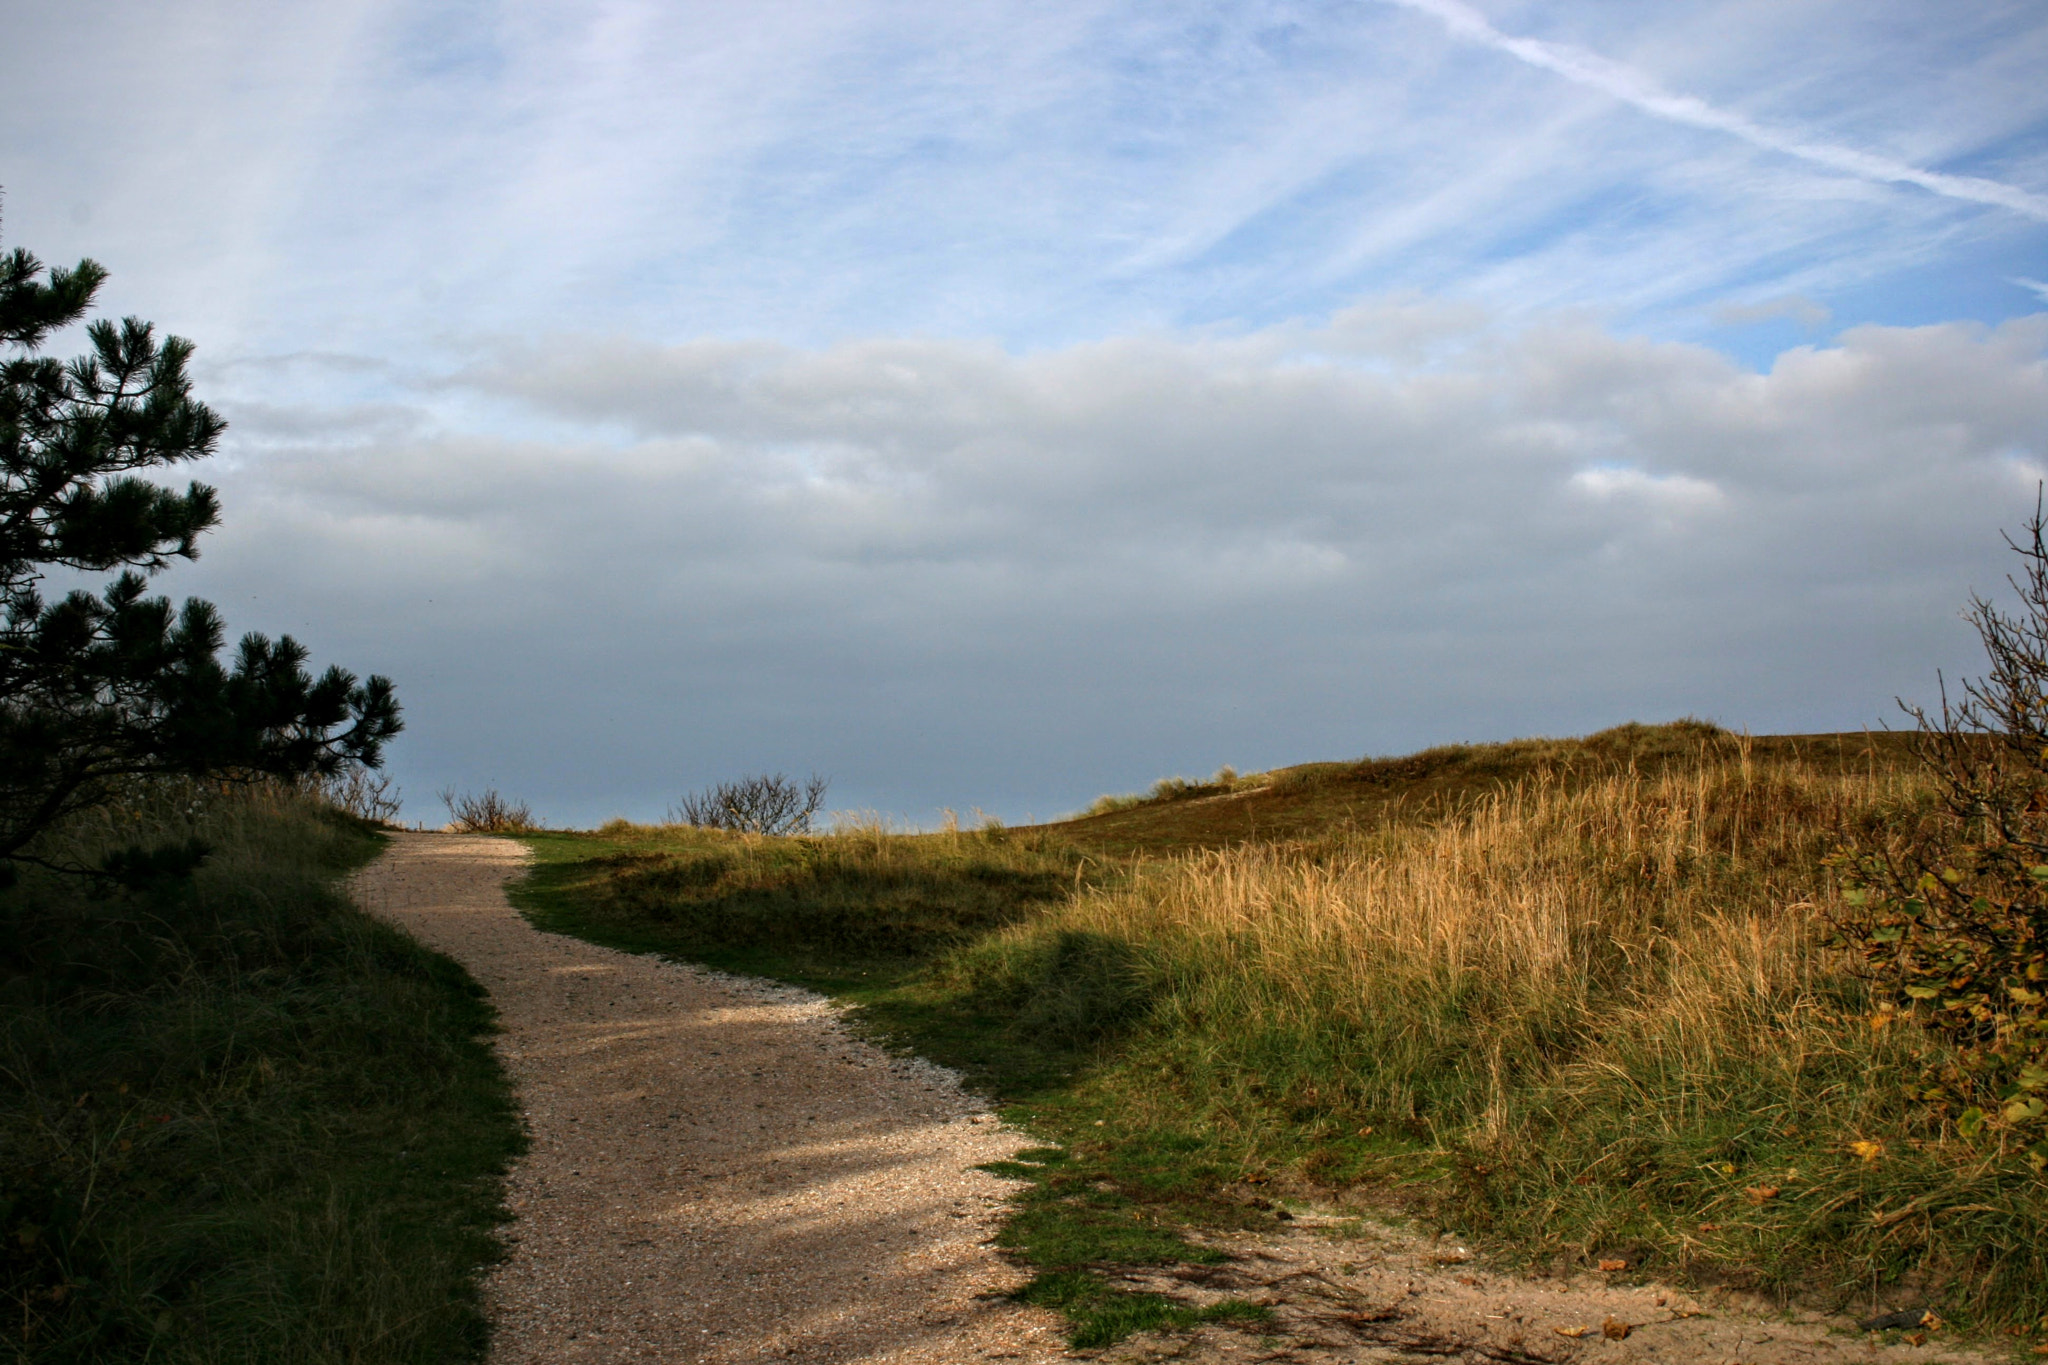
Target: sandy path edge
{"type": "Point", "coordinates": [719, 1172]}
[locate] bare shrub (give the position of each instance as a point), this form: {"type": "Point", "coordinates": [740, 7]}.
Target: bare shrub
{"type": "Point", "coordinates": [755, 805]}
{"type": "Point", "coordinates": [488, 813]}
{"type": "Point", "coordinates": [365, 794]}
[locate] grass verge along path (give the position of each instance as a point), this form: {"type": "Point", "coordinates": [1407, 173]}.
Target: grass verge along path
{"type": "Point", "coordinates": [240, 1120]}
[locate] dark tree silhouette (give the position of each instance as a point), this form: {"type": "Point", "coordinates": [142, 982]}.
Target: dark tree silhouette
{"type": "Point", "coordinates": [98, 688]}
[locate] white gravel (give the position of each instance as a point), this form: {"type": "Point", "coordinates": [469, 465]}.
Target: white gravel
{"type": "Point", "coordinates": [720, 1172]}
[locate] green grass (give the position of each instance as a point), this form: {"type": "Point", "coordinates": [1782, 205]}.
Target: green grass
{"type": "Point", "coordinates": [1571, 997]}
{"type": "Point", "coordinates": [1102, 1315]}
{"type": "Point", "coordinates": [240, 1121]}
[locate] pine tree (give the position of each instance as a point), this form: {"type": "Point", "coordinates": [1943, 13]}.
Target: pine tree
{"type": "Point", "coordinates": [97, 689]}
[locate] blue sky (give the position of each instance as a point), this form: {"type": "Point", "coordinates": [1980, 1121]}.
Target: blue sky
{"type": "Point", "coordinates": [993, 404]}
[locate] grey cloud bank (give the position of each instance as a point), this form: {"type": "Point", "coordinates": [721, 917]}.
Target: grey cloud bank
{"type": "Point", "coordinates": [946, 574]}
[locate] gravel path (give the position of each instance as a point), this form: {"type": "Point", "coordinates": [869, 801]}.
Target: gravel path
{"type": "Point", "coordinates": [719, 1171]}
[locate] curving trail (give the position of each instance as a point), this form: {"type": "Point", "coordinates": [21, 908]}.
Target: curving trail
{"type": "Point", "coordinates": [719, 1171]}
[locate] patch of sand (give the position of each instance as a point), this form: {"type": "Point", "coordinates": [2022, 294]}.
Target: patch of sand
{"type": "Point", "coordinates": [1347, 1289]}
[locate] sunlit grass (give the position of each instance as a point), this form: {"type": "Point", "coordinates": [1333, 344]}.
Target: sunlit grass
{"type": "Point", "coordinates": [1580, 1000]}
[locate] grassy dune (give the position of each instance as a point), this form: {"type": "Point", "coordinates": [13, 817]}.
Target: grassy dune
{"type": "Point", "coordinates": [239, 1120]}
{"type": "Point", "coordinates": [1576, 997]}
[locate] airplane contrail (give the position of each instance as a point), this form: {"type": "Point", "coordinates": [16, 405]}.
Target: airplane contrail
{"type": "Point", "coordinates": [1633, 87]}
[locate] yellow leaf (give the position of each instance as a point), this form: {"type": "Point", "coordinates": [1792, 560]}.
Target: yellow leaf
{"type": "Point", "coordinates": [1870, 1151]}
{"type": "Point", "coordinates": [1571, 1331]}
{"type": "Point", "coordinates": [1759, 1193]}
{"type": "Point", "coordinates": [1614, 1265]}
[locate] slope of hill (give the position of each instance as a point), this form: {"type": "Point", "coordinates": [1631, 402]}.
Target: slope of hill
{"type": "Point", "coordinates": [1311, 800]}
{"type": "Point", "coordinates": [1575, 997]}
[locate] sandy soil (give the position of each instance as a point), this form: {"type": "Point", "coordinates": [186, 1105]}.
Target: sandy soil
{"type": "Point", "coordinates": [1348, 1289]}
{"type": "Point", "coordinates": [720, 1173]}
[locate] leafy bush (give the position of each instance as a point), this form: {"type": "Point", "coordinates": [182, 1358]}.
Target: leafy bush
{"type": "Point", "coordinates": [1951, 917]}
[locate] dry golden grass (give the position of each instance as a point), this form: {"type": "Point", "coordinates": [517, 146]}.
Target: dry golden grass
{"type": "Point", "coordinates": [1692, 898]}
{"type": "Point", "coordinates": [1611, 1009]}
